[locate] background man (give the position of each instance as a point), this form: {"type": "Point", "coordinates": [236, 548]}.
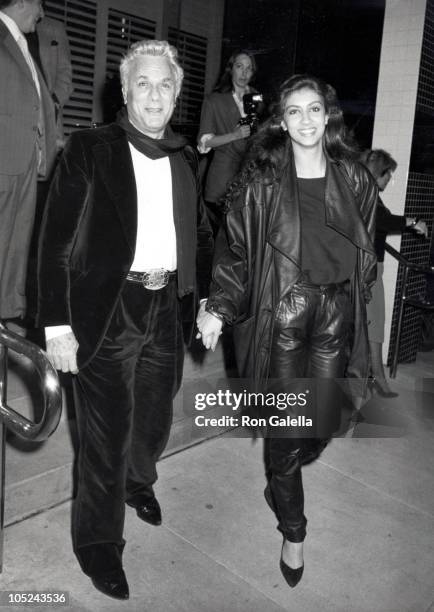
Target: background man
{"type": "Point", "coordinates": [124, 227]}
{"type": "Point", "coordinates": [49, 47]}
{"type": "Point", "coordinates": [27, 147]}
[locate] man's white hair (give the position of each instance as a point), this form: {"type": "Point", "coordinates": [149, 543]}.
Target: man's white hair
{"type": "Point", "coordinates": [156, 48]}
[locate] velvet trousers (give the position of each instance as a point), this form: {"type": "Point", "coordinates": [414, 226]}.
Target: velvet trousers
{"type": "Point", "coordinates": [124, 403]}
{"type": "Point", "coordinates": [310, 338]}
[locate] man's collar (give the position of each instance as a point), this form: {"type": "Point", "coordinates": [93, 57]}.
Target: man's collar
{"type": "Point", "coordinates": [11, 25]}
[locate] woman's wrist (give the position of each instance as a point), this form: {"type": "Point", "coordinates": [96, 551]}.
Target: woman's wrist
{"type": "Point", "coordinates": [215, 314]}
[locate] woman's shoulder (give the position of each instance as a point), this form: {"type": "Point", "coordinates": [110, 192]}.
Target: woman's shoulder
{"type": "Point", "coordinates": [356, 173]}
{"type": "Point", "coordinates": [249, 187]}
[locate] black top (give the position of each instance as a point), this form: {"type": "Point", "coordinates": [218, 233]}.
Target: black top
{"type": "Point", "coordinates": [386, 223]}
{"type": "Point", "coordinates": [326, 256]}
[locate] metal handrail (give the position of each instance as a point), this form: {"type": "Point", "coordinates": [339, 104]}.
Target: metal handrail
{"type": "Point", "coordinates": [17, 423]}
{"type": "Point", "coordinates": [14, 421]}
{"type": "Point", "coordinates": [404, 261]}
{"type": "Point", "coordinates": [408, 266]}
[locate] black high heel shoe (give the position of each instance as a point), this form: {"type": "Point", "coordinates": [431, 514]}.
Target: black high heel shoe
{"type": "Point", "coordinates": [374, 385]}
{"type": "Point", "coordinates": [292, 576]}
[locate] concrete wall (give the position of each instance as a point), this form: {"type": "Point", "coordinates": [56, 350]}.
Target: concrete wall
{"type": "Point", "coordinates": [395, 110]}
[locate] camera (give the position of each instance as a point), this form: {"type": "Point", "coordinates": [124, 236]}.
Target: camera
{"type": "Point", "coordinates": [251, 104]}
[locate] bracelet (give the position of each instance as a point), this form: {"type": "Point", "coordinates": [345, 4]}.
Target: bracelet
{"type": "Point", "coordinates": [217, 315]}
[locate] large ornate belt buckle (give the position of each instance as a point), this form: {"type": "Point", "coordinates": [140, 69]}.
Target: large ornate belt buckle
{"type": "Point", "coordinates": [155, 279]}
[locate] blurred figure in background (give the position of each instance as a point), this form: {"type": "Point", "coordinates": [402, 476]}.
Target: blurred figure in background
{"type": "Point", "coordinates": [382, 166]}
{"type": "Point", "coordinates": [222, 129]}
{"type": "Point", "coordinates": [49, 47]}
{"type": "Point", "coordinates": [27, 149]}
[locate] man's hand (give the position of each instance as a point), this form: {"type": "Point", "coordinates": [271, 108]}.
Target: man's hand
{"type": "Point", "coordinates": [210, 328]}
{"type": "Point", "coordinates": [62, 352]}
{"type": "Point", "coordinates": [201, 314]}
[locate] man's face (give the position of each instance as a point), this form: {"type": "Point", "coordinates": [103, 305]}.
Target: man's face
{"type": "Point", "coordinates": [150, 94]}
{"type": "Point", "coordinates": [30, 13]}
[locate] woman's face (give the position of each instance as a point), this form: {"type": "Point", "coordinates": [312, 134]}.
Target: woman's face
{"type": "Point", "coordinates": [242, 71]}
{"type": "Point", "coordinates": [304, 117]}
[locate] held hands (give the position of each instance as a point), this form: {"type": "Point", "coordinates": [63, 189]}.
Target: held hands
{"type": "Point", "coordinates": [62, 352]}
{"type": "Point", "coordinates": [209, 326]}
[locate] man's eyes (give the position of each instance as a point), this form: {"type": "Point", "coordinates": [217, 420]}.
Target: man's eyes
{"type": "Point", "coordinates": [166, 85]}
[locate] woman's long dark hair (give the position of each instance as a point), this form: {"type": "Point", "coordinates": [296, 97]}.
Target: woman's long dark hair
{"type": "Point", "coordinates": [337, 142]}
{"type": "Point", "coordinates": [271, 149]}
{"type": "Point", "coordinates": [224, 84]}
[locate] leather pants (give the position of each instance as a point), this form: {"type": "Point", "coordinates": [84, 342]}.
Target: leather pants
{"type": "Point", "coordinates": [310, 340]}
{"type": "Point", "coordinates": [124, 400]}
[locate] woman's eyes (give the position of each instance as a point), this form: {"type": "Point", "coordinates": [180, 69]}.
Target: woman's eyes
{"type": "Point", "coordinates": [314, 109]}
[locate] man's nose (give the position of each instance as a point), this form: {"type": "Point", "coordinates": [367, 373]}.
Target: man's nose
{"type": "Point", "coordinates": [154, 92]}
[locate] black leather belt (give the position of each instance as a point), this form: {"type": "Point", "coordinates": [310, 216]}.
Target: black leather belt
{"type": "Point", "coordinates": [152, 279]}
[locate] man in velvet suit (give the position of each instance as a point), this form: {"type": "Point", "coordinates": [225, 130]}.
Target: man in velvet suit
{"type": "Point", "coordinates": [123, 230]}
{"type": "Point", "coordinates": [27, 148]}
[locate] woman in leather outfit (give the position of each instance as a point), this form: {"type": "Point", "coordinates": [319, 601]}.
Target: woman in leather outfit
{"type": "Point", "coordinates": [292, 270]}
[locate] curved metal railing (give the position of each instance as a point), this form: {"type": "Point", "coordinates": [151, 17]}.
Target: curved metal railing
{"type": "Point", "coordinates": [18, 423]}
{"type": "Point", "coordinates": [404, 299]}
{"type": "Point", "coordinates": [15, 422]}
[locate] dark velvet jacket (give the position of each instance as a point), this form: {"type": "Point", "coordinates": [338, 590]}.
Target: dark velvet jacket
{"type": "Point", "coordinates": [258, 258]}
{"type": "Point", "coordinates": [88, 236]}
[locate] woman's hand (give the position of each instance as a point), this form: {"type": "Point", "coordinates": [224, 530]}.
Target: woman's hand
{"type": "Point", "coordinates": [243, 131]}
{"type": "Point", "coordinates": [210, 328]}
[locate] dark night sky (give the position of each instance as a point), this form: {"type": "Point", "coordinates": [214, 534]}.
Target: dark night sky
{"type": "Point", "coordinates": [338, 40]}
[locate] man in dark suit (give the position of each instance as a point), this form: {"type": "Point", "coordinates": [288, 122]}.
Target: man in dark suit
{"type": "Point", "coordinates": [49, 46]}
{"type": "Point", "coordinates": [123, 241]}
{"type": "Point", "coordinates": [27, 148]}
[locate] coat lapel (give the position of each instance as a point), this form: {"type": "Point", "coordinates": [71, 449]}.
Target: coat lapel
{"type": "Point", "coordinates": [342, 210]}
{"type": "Point", "coordinates": [114, 164]}
{"type": "Point", "coordinates": [12, 46]}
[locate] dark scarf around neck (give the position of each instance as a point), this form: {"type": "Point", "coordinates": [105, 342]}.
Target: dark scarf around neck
{"type": "Point", "coordinates": [155, 148]}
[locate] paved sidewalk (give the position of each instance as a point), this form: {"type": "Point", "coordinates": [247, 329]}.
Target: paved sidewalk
{"type": "Point", "coordinates": [370, 546]}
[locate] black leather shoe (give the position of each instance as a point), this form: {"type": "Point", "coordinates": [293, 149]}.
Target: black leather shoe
{"type": "Point", "coordinates": [114, 584]}
{"type": "Point", "coordinates": [292, 576]}
{"type": "Point", "coordinates": [381, 388]}
{"type": "Point", "coordinates": [150, 512]}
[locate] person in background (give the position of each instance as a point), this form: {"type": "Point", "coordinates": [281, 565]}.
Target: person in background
{"type": "Point", "coordinates": [27, 151]}
{"type": "Point", "coordinates": [125, 244]}
{"type": "Point", "coordinates": [221, 130]}
{"type": "Point", "coordinates": [293, 269]}
{"type": "Point", "coordinates": [382, 166]}
{"type": "Point", "coordinates": [49, 47]}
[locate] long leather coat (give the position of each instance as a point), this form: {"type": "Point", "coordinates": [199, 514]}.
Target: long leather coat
{"type": "Point", "coordinates": [258, 258]}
